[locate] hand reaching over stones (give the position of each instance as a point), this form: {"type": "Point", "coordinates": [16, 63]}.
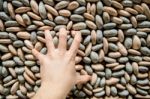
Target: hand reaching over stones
{"type": "Point", "coordinates": [58, 72]}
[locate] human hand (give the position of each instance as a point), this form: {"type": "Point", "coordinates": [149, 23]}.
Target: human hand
{"type": "Point", "coordinates": [58, 65]}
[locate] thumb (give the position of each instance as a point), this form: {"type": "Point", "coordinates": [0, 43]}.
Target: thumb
{"type": "Point", "coordinates": [82, 79]}
{"type": "Point", "coordinates": [37, 54]}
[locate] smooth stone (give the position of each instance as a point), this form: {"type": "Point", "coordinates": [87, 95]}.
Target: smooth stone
{"type": "Point", "coordinates": [29, 63]}
{"type": "Point", "coordinates": [142, 92]}
{"type": "Point", "coordinates": [123, 59]}
{"type": "Point", "coordinates": [99, 7]}
{"type": "Point", "coordinates": [107, 2]}
{"type": "Point", "coordinates": [102, 82]}
{"type": "Point", "coordinates": [4, 16]}
{"type": "Point", "coordinates": [79, 26]}
{"type": "Point", "coordinates": [133, 80]}
{"type": "Point", "coordinates": [144, 24]}
{"type": "Point", "coordinates": [113, 47]}
{"type": "Point", "coordinates": [109, 26]}
{"type": "Point", "coordinates": [143, 69]}
{"type": "Point", "coordinates": [145, 51]}
{"type": "Point", "coordinates": [80, 10]}
{"type": "Point", "coordinates": [88, 69]}
{"type": "Point", "coordinates": [50, 23]}
{"type": "Point", "coordinates": [18, 43]}
{"type": "Point", "coordinates": [128, 43]}
{"type": "Point", "coordinates": [42, 10]}
{"type": "Point", "coordinates": [141, 17]}
{"type": "Point", "coordinates": [35, 69]}
{"type": "Point", "coordinates": [87, 40]}
{"type": "Point", "coordinates": [61, 5]}
{"type": "Point", "coordinates": [94, 57]}
{"type": "Point", "coordinates": [118, 73]}
{"type": "Point", "coordinates": [82, 2]}
{"type": "Point", "coordinates": [25, 2]}
{"type": "Point", "coordinates": [19, 70]}
{"type": "Point", "coordinates": [127, 3]}
{"type": "Point", "coordinates": [21, 79]}
{"type": "Point", "coordinates": [125, 20]}
{"type": "Point", "coordinates": [18, 61]}
{"type": "Point", "coordinates": [143, 82]}
{"type": "Point", "coordinates": [77, 18]}
{"type": "Point", "coordinates": [97, 47]}
{"type": "Point", "coordinates": [4, 72]}
{"type": "Point", "coordinates": [99, 37]}
{"type": "Point", "coordinates": [110, 33]}
{"type": "Point", "coordinates": [113, 91]}
{"type": "Point", "coordinates": [17, 3]}
{"type": "Point", "coordinates": [100, 94]}
{"type": "Point", "coordinates": [1, 5]}
{"type": "Point", "coordinates": [124, 93]}
{"type": "Point", "coordinates": [129, 68]}
{"type": "Point", "coordinates": [49, 2]}
{"type": "Point", "coordinates": [87, 60]}
{"type": "Point", "coordinates": [85, 32]}
{"type": "Point", "coordinates": [11, 23]}
{"type": "Point", "coordinates": [61, 20]}
{"type": "Point", "coordinates": [12, 36]}
{"type": "Point", "coordinates": [5, 6]}
{"type": "Point", "coordinates": [99, 21]}
{"type": "Point", "coordinates": [135, 58]}
{"type": "Point", "coordinates": [8, 63]}
{"type": "Point", "coordinates": [31, 27]}
{"type": "Point", "coordinates": [108, 73]}
{"type": "Point", "coordinates": [141, 34]}
{"type": "Point", "coordinates": [131, 31]}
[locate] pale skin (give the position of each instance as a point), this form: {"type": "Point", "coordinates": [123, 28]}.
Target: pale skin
{"type": "Point", "coordinates": [58, 74]}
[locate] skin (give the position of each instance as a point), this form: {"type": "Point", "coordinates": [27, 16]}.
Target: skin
{"type": "Point", "coordinates": [58, 74]}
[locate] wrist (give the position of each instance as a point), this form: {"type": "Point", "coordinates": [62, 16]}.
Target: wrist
{"type": "Point", "coordinates": [52, 91]}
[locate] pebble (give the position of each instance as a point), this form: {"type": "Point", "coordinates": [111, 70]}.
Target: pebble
{"type": "Point", "coordinates": [99, 21]}
{"type": "Point", "coordinates": [113, 91]}
{"type": "Point", "coordinates": [112, 81]}
{"type": "Point", "coordinates": [131, 89]}
{"type": "Point", "coordinates": [14, 88]}
{"type": "Point", "coordinates": [142, 92]}
{"type": "Point", "coordinates": [61, 5]}
{"type": "Point", "coordinates": [128, 43]}
{"type": "Point", "coordinates": [94, 57]}
{"type": "Point", "coordinates": [11, 23]}
{"type": "Point", "coordinates": [110, 33]}
{"type": "Point", "coordinates": [124, 93]}
{"type": "Point", "coordinates": [99, 7]}
{"type": "Point", "coordinates": [9, 63]}
{"type": "Point", "coordinates": [4, 16]}
{"type": "Point", "coordinates": [122, 49]}
{"type": "Point", "coordinates": [42, 10]}
{"type": "Point", "coordinates": [18, 43]}
{"type": "Point", "coordinates": [79, 26]}
{"type": "Point", "coordinates": [77, 18]}
{"type": "Point", "coordinates": [136, 42]}
{"type": "Point", "coordinates": [145, 51]}
{"type": "Point", "coordinates": [129, 68]}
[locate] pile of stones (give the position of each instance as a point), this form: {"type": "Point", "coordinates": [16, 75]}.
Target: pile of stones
{"type": "Point", "coordinates": [115, 45]}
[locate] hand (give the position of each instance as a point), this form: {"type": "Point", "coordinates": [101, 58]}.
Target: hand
{"type": "Point", "coordinates": [58, 65]}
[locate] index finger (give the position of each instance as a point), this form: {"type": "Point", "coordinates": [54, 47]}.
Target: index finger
{"type": "Point", "coordinates": [76, 42]}
{"type": "Point", "coordinates": [49, 41]}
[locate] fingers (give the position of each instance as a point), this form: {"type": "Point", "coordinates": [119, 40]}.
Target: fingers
{"type": "Point", "coordinates": [75, 45]}
{"type": "Point", "coordinates": [49, 41]}
{"type": "Point", "coordinates": [62, 40]}
{"type": "Point", "coordinates": [82, 79]}
{"type": "Point", "coordinates": [37, 54]}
